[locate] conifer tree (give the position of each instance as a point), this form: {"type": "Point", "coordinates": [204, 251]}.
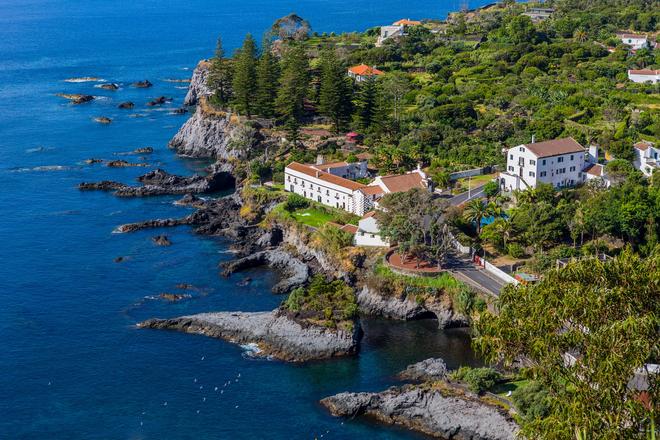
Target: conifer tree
{"type": "Point", "coordinates": [335, 91]}
{"type": "Point", "coordinates": [245, 79]}
{"type": "Point", "coordinates": [367, 104]}
{"type": "Point", "coordinates": [267, 77]}
{"type": "Point", "coordinates": [293, 88]}
{"type": "Point", "coordinates": [220, 75]}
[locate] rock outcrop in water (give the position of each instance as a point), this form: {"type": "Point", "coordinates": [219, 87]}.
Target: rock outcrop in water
{"type": "Point", "coordinates": [294, 272]}
{"type": "Point", "coordinates": [197, 87]}
{"type": "Point", "coordinates": [159, 182]}
{"type": "Point", "coordinates": [428, 410]}
{"type": "Point", "coordinates": [275, 334]}
{"type": "Point", "coordinates": [206, 135]}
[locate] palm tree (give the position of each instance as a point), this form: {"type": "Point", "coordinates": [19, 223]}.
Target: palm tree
{"type": "Point", "coordinates": [475, 211]}
{"type": "Point", "coordinates": [580, 35]}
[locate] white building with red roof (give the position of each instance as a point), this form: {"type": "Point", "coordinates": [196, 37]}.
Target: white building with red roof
{"type": "Point", "coordinates": [644, 76]}
{"type": "Point", "coordinates": [368, 232]}
{"type": "Point", "coordinates": [635, 41]}
{"type": "Point", "coordinates": [647, 157]}
{"type": "Point", "coordinates": [362, 72]}
{"type": "Point", "coordinates": [559, 162]}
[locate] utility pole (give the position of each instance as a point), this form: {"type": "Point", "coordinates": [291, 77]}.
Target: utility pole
{"type": "Point", "coordinates": [469, 188]}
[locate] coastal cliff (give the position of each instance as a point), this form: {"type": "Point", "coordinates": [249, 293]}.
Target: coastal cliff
{"type": "Point", "coordinates": [274, 332]}
{"type": "Point", "coordinates": [197, 87]}
{"type": "Point", "coordinates": [206, 135]}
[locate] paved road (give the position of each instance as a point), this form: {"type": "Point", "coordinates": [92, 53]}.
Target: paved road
{"type": "Point", "coordinates": [463, 197]}
{"type": "Point", "coordinates": [475, 276]}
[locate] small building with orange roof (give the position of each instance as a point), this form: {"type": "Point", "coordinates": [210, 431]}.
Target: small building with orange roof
{"type": "Point", "coordinates": [407, 22]}
{"type": "Point", "coordinates": [362, 72]}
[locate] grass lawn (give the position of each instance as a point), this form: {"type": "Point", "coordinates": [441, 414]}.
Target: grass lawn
{"type": "Point", "coordinates": [474, 181]}
{"type": "Point", "coordinates": [313, 217]}
{"type": "Point", "coordinates": [503, 389]}
{"type": "Point", "coordinates": [441, 281]}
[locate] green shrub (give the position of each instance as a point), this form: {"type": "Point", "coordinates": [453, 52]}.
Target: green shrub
{"type": "Point", "coordinates": [295, 202]}
{"type": "Point", "coordinates": [478, 380]}
{"type": "Point", "coordinates": [515, 250]}
{"type": "Point", "coordinates": [532, 401]}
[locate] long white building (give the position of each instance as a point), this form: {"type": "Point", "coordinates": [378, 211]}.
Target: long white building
{"type": "Point", "coordinates": [328, 184]}
{"type": "Point", "coordinates": [644, 76]}
{"type": "Point", "coordinates": [558, 162]}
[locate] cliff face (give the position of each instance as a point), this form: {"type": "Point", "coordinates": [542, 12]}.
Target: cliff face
{"type": "Point", "coordinates": [204, 135]}
{"type": "Point", "coordinates": [197, 88]}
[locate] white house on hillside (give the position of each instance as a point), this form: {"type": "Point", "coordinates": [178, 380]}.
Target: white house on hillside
{"type": "Point", "coordinates": [558, 162]}
{"type": "Point", "coordinates": [647, 157]}
{"type": "Point", "coordinates": [368, 232]}
{"type": "Point", "coordinates": [329, 184]}
{"type": "Point", "coordinates": [635, 41]}
{"type": "Point", "coordinates": [362, 72]}
{"type": "Point", "coordinates": [644, 76]}
{"type": "Point", "coordinates": [387, 32]}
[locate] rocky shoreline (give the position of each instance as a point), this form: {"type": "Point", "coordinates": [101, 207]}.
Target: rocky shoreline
{"type": "Point", "coordinates": [276, 334]}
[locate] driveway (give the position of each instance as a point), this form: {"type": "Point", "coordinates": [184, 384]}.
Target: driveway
{"type": "Point", "coordinates": [477, 192]}
{"type": "Point", "coordinates": [473, 275]}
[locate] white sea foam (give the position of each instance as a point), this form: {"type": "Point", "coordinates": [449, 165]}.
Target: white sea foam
{"type": "Point", "coordinates": [41, 168]}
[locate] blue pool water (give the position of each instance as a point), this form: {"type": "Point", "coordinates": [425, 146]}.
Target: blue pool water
{"type": "Point", "coordinates": [72, 364]}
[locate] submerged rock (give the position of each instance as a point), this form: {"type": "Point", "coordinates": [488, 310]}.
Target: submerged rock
{"type": "Point", "coordinates": [76, 98]}
{"type": "Point", "coordinates": [103, 120]}
{"type": "Point", "coordinates": [124, 164]}
{"type": "Point", "coordinates": [158, 101]}
{"type": "Point", "coordinates": [275, 334]}
{"type": "Point", "coordinates": [431, 369]}
{"type": "Point", "coordinates": [174, 297]}
{"type": "Point", "coordinates": [295, 272]}
{"type": "Point", "coordinates": [93, 161]}
{"type": "Point", "coordinates": [109, 86]}
{"type": "Point", "coordinates": [126, 105]}
{"type": "Point", "coordinates": [180, 111]}
{"type": "Point", "coordinates": [143, 150]}
{"type": "Point", "coordinates": [429, 411]}
{"type": "Point", "coordinates": [119, 259]}
{"type": "Point", "coordinates": [142, 84]}
{"type": "Point", "coordinates": [161, 240]}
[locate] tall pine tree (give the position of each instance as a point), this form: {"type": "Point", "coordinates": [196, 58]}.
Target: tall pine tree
{"type": "Point", "coordinates": [335, 91]}
{"type": "Point", "coordinates": [245, 76]}
{"type": "Point", "coordinates": [294, 82]}
{"type": "Point", "coordinates": [220, 76]}
{"type": "Point", "coordinates": [267, 76]}
{"type": "Point", "coordinates": [366, 106]}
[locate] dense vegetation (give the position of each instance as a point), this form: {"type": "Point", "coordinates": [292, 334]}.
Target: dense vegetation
{"type": "Point", "coordinates": [605, 317]}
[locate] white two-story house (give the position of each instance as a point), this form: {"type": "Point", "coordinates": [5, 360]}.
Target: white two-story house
{"type": "Point", "coordinates": [635, 41]}
{"type": "Point", "coordinates": [647, 157]}
{"type": "Point", "coordinates": [368, 232]}
{"type": "Point", "coordinates": [558, 162]}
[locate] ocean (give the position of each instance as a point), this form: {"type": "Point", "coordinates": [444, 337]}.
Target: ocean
{"type": "Point", "coordinates": [73, 365]}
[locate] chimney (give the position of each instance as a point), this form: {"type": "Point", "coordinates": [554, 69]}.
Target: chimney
{"type": "Point", "coordinates": [319, 159]}
{"type": "Point", "coordinates": [318, 173]}
{"type": "Point", "coordinates": [533, 138]}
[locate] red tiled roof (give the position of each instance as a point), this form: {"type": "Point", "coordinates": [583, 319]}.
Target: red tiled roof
{"type": "Point", "coordinates": [636, 36]}
{"type": "Point", "coordinates": [369, 214]}
{"type": "Point", "coordinates": [327, 166]}
{"type": "Point", "coordinates": [364, 70]}
{"type": "Point", "coordinates": [351, 229]}
{"type": "Point", "coordinates": [327, 177]}
{"type": "Point", "coordinates": [407, 22]}
{"type": "Point", "coordinates": [555, 147]}
{"type": "Point", "coordinates": [372, 190]}
{"type": "Point", "coordinates": [403, 182]}
{"type": "Point", "coordinates": [594, 169]}
{"type": "Point", "coordinates": [643, 145]}
{"type": "Point", "coordinates": [644, 72]}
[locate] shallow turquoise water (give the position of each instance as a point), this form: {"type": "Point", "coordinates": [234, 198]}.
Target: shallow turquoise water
{"type": "Point", "coordinates": [73, 365]}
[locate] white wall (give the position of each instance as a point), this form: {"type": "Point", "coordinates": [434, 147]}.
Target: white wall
{"type": "Point", "coordinates": [321, 191]}
{"type": "Point", "coordinates": [636, 78]}
{"type": "Point", "coordinates": [523, 166]}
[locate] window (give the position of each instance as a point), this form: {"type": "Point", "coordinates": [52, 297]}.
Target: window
{"type": "Point", "coordinates": [532, 162]}
{"type": "Point", "coordinates": [291, 188]}
{"type": "Point", "coordinates": [572, 168]}
{"type": "Point", "coordinates": [511, 156]}
{"type": "Point", "coordinates": [522, 149]}
{"type": "Point", "coordinates": [542, 174]}
{"type": "Point", "coordinates": [571, 157]}
{"type": "Point", "coordinates": [327, 192]}
{"type": "Point", "coordinates": [543, 163]}
{"type": "Point", "coordinates": [560, 159]}
{"type": "Point", "coordinates": [288, 178]}
{"type": "Point", "coordinates": [532, 174]}
{"type": "Point", "coordinates": [510, 168]}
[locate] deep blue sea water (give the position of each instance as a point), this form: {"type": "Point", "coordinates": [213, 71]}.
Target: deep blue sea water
{"type": "Point", "coordinates": [72, 364]}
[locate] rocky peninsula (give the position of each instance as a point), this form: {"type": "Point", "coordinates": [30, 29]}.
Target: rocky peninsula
{"type": "Point", "coordinates": [275, 333]}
